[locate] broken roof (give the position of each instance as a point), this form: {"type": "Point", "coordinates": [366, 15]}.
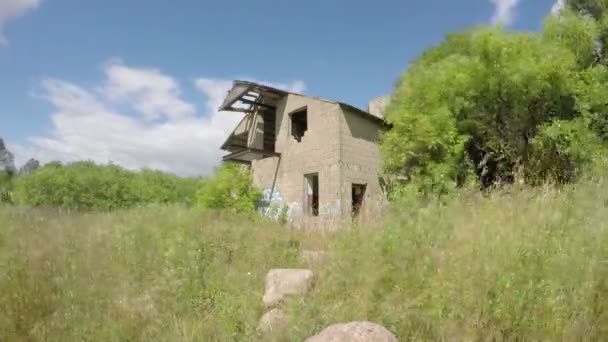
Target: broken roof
{"type": "Point", "coordinates": [248, 92]}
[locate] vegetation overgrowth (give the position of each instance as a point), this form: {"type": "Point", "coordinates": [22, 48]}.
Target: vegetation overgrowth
{"type": "Point", "coordinates": [161, 257]}
{"type": "Point", "coordinates": [517, 265]}
{"type": "Point", "coordinates": [488, 104]}
{"type": "Point", "coordinates": [86, 185]}
{"type": "Point", "coordinates": [230, 188]}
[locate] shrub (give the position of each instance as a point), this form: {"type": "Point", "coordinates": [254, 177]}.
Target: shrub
{"type": "Point", "coordinates": [85, 185]}
{"type": "Point", "coordinates": [230, 188]}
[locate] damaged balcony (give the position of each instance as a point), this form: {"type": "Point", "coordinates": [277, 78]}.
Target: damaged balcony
{"type": "Point", "coordinates": [254, 137]}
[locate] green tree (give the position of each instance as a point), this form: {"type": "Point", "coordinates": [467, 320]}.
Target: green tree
{"type": "Point", "coordinates": [155, 186]}
{"type": "Point", "coordinates": [482, 102]}
{"type": "Point", "coordinates": [230, 188]}
{"type": "Point", "coordinates": [575, 32]}
{"type": "Point", "coordinates": [596, 10]}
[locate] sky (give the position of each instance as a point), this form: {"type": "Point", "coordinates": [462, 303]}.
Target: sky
{"type": "Point", "coordinates": [138, 82]}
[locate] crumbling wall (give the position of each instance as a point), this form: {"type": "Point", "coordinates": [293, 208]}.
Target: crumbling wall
{"type": "Point", "coordinates": [360, 160]}
{"type": "Point", "coordinates": [318, 152]}
{"type": "Point", "coordinates": [340, 145]}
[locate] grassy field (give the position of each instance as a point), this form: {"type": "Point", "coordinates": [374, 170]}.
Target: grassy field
{"type": "Point", "coordinates": [531, 264]}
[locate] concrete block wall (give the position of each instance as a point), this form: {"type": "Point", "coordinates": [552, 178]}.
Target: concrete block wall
{"type": "Point", "coordinates": [360, 159]}
{"type": "Point", "coordinates": [340, 145]}
{"type": "Point", "coordinates": [317, 152]}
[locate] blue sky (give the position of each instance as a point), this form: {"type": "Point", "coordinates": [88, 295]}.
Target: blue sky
{"type": "Point", "coordinates": [138, 82]}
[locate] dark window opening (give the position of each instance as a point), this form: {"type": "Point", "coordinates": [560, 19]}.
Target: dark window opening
{"type": "Point", "coordinates": [312, 194]}
{"type": "Point", "coordinates": [358, 191]}
{"type": "Point", "coordinates": [299, 124]}
{"type": "Point", "coordinates": [269, 130]}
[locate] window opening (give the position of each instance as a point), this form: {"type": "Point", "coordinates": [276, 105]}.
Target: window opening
{"type": "Point", "coordinates": [299, 124]}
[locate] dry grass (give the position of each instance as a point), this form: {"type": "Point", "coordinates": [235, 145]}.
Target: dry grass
{"type": "Point", "coordinates": [532, 264]}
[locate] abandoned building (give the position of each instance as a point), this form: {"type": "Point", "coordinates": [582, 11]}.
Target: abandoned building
{"type": "Point", "coordinates": [315, 157]}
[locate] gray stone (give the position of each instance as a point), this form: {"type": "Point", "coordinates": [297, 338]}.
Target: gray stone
{"type": "Point", "coordinates": [281, 283]}
{"type": "Point", "coordinates": [354, 332]}
{"type": "Point", "coordinates": [272, 321]}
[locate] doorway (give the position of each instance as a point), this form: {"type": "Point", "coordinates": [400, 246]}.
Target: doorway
{"type": "Point", "coordinates": [312, 194]}
{"type": "Point", "coordinates": [358, 194]}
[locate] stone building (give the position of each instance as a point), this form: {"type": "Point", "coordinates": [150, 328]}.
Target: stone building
{"type": "Point", "coordinates": [315, 157]}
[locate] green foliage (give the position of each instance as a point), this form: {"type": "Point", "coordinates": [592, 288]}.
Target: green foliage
{"type": "Point", "coordinates": [476, 105]}
{"type": "Point", "coordinates": [528, 265]}
{"type": "Point", "coordinates": [592, 99]}
{"type": "Point", "coordinates": [230, 188]}
{"type": "Point", "coordinates": [6, 186]}
{"type": "Point", "coordinates": [562, 148]}
{"type": "Point", "coordinates": [577, 33]}
{"type": "Point", "coordinates": [596, 10]}
{"type": "Point", "coordinates": [144, 274]}
{"type": "Point", "coordinates": [524, 266]}
{"type": "Point", "coordinates": [159, 187]}
{"type": "Point", "coordinates": [85, 185]}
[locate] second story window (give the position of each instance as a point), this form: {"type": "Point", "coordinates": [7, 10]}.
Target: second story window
{"type": "Point", "coordinates": [299, 124]}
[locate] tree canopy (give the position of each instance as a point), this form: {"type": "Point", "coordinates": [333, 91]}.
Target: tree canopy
{"type": "Point", "coordinates": [488, 104]}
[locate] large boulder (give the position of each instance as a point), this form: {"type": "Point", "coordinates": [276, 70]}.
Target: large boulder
{"type": "Point", "coordinates": [281, 283]}
{"type": "Point", "coordinates": [354, 332]}
{"type": "Point", "coordinates": [7, 161]}
{"type": "Point", "coordinates": [272, 321]}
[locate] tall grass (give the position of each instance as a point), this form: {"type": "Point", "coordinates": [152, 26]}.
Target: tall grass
{"type": "Point", "coordinates": [530, 264]}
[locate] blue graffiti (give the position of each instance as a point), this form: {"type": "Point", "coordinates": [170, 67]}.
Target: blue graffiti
{"type": "Point", "coordinates": [272, 195]}
{"type": "Point", "coordinates": [270, 205]}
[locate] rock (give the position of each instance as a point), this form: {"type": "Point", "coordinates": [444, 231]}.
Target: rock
{"type": "Point", "coordinates": [7, 161]}
{"type": "Point", "coordinates": [314, 257]}
{"type": "Point", "coordinates": [272, 321]}
{"type": "Point", "coordinates": [30, 166]}
{"type": "Point", "coordinates": [281, 283]}
{"type": "Point", "coordinates": [354, 332]}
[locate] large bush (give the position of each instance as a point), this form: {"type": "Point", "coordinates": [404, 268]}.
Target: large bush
{"type": "Point", "coordinates": [230, 188]}
{"type": "Point", "coordinates": [494, 104]}
{"type": "Point", "coordinates": [85, 185]}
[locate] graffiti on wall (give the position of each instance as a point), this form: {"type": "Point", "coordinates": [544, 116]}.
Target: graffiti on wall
{"type": "Point", "coordinates": [270, 195]}
{"type": "Point", "coordinates": [272, 202]}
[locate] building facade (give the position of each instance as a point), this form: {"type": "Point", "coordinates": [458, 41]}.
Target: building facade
{"type": "Point", "coordinates": [312, 156]}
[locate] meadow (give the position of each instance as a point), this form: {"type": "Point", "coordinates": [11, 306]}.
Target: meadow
{"type": "Point", "coordinates": [520, 264]}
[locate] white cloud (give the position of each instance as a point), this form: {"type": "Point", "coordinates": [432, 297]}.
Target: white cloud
{"type": "Point", "coordinates": [558, 6]}
{"type": "Point", "coordinates": [147, 90]}
{"type": "Point", "coordinates": [10, 9]}
{"type": "Point", "coordinates": [165, 132]}
{"type": "Point", "coordinates": [504, 11]}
